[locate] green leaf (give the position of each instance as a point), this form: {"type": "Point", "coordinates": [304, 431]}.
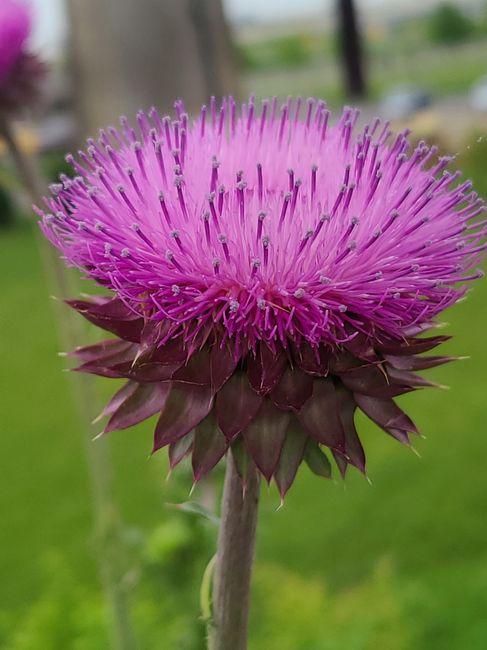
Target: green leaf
{"type": "Point", "coordinates": [197, 509]}
{"type": "Point", "coordinates": [317, 460]}
{"type": "Point", "coordinates": [206, 591]}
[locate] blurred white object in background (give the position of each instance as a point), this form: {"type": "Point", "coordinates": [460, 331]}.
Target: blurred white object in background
{"type": "Point", "coordinates": [403, 101]}
{"type": "Point", "coordinates": [478, 95]}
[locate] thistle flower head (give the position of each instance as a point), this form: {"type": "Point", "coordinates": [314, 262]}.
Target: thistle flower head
{"type": "Point", "coordinates": [20, 71]}
{"type": "Point", "coordinates": [271, 270]}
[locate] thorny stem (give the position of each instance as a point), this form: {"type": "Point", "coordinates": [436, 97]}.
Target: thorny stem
{"type": "Point", "coordinates": [107, 522]}
{"type": "Point", "coordinates": [235, 554]}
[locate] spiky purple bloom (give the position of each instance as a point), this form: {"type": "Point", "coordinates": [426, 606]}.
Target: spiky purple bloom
{"type": "Point", "coordinates": [271, 272]}
{"type": "Point", "coordinates": [20, 71]}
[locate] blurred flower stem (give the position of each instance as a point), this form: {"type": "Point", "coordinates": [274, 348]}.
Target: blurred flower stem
{"type": "Point", "coordinates": [235, 554]}
{"type": "Point", "coordinates": [107, 520]}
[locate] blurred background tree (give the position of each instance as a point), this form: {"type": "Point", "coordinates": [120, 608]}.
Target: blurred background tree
{"type": "Point", "coordinates": [351, 49]}
{"type": "Point", "coordinates": [448, 24]}
{"type": "Point", "coordinates": [130, 55]}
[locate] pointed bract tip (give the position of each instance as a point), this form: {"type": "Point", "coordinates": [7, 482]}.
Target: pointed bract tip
{"type": "Point", "coordinates": [98, 418]}
{"type": "Point", "coordinates": [140, 352]}
{"type": "Point", "coordinates": [197, 476]}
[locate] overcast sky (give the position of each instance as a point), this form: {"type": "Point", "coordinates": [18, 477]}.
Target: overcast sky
{"type": "Point", "coordinates": [50, 15]}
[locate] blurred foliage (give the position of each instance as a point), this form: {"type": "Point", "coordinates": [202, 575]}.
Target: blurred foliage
{"type": "Point", "coordinates": [293, 50]}
{"type": "Point", "coordinates": [289, 613]}
{"type": "Point", "coordinates": [472, 160]}
{"type": "Point", "coordinates": [449, 24]}
{"type": "Point", "coordinates": [293, 613]}
{"type": "Point", "coordinates": [392, 62]}
{"type": "Point", "coordinates": [7, 212]}
{"type": "Point", "coordinates": [165, 566]}
{"type": "Point", "coordinates": [53, 164]}
{"type": "Point", "coordinates": [402, 52]}
{"type": "Point", "coordinates": [64, 615]}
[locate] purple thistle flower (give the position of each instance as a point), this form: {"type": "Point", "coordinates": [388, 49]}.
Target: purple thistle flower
{"type": "Point", "coordinates": [15, 24]}
{"type": "Point", "coordinates": [20, 71]}
{"type": "Point", "coordinates": [271, 274]}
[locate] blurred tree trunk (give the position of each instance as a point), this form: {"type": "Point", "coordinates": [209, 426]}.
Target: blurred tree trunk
{"type": "Point", "coordinates": [215, 47]}
{"type": "Point", "coordinates": [95, 65]}
{"type": "Point", "coordinates": [351, 49]}
{"type": "Point", "coordinates": [132, 54]}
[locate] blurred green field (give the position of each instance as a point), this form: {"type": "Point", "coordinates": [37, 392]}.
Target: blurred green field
{"type": "Point", "coordinates": [401, 61]}
{"type": "Point", "coordinates": [396, 565]}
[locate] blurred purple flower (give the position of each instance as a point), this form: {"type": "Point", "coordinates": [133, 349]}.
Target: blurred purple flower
{"type": "Point", "coordinates": [20, 71]}
{"type": "Point", "coordinates": [271, 274]}
{"type": "Point", "coordinates": [15, 25]}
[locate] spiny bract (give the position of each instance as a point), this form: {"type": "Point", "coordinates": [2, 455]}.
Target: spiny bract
{"type": "Point", "coordinates": [271, 273]}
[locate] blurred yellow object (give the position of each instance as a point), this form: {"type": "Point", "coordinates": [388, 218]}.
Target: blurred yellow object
{"type": "Point", "coordinates": [27, 138]}
{"type": "Point", "coordinates": [425, 121]}
{"type": "Point", "coordinates": [448, 127]}
{"type": "Point", "coordinates": [431, 125]}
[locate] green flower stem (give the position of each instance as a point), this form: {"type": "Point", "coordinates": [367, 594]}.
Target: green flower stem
{"type": "Point", "coordinates": [235, 554]}
{"type": "Point", "coordinates": [71, 332]}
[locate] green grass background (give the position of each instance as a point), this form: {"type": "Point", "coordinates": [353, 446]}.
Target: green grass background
{"type": "Point", "coordinates": [402, 58]}
{"type": "Point", "coordinates": [396, 565]}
